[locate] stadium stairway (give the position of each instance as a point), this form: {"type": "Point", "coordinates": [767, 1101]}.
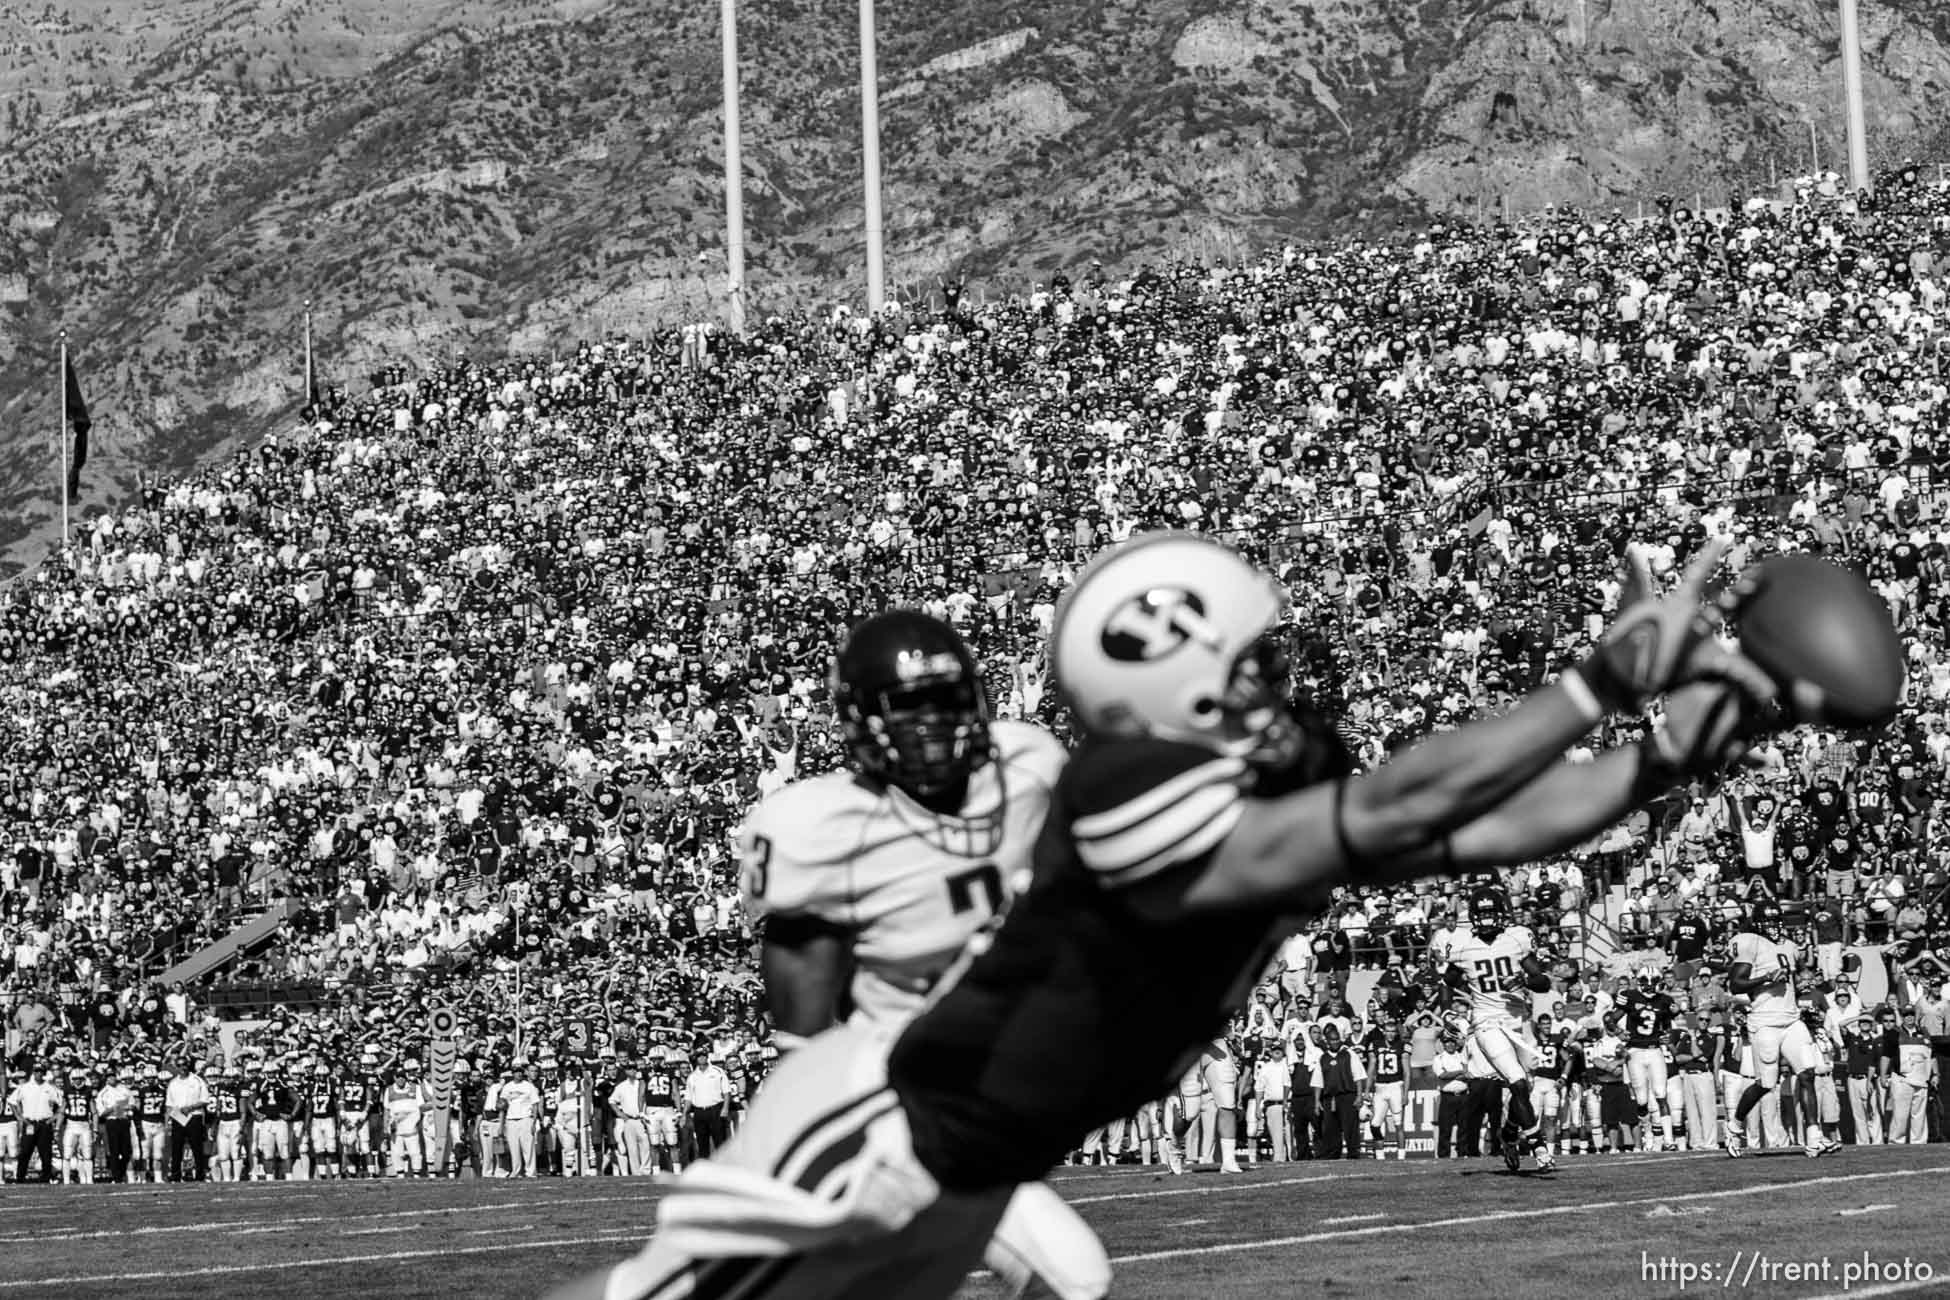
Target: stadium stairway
{"type": "Point", "coordinates": [246, 938]}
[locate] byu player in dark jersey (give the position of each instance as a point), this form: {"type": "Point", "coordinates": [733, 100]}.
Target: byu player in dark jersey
{"type": "Point", "coordinates": [1203, 815]}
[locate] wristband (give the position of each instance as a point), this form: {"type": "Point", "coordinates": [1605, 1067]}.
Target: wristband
{"type": "Point", "coordinates": [1657, 772]}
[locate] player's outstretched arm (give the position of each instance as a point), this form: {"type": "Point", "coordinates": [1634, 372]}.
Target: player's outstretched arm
{"type": "Point", "coordinates": [1394, 824]}
{"type": "Point", "coordinates": [1706, 729]}
{"type": "Point", "coordinates": [1454, 778]}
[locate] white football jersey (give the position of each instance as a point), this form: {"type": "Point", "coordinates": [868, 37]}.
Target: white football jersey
{"type": "Point", "coordinates": [909, 886]}
{"type": "Point", "coordinates": [1496, 979]}
{"type": "Point", "coordinates": [1774, 1006]}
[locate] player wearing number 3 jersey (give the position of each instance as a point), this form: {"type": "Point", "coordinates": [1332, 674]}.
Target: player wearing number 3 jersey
{"type": "Point", "coordinates": [1496, 964]}
{"type": "Point", "coordinates": [872, 881]}
{"type": "Point", "coordinates": [1206, 813]}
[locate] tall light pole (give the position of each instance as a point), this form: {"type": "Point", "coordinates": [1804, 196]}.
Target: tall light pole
{"type": "Point", "coordinates": [870, 133]}
{"type": "Point", "coordinates": [1858, 131]}
{"type": "Point", "coordinates": [734, 174]}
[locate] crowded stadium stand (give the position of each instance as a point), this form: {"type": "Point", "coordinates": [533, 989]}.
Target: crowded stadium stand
{"type": "Point", "coordinates": [449, 695]}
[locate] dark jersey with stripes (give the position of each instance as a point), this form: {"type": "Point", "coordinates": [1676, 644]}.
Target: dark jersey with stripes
{"type": "Point", "coordinates": [659, 1088]}
{"type": "Point", "coordinates": [78, 1104]}
{"type": "Point", "coordinates": [230, 1101]}
{"type": "Point", "coordinates": [1078, 1009]}
{"type": "Point", "coordinates": [150, 1102]}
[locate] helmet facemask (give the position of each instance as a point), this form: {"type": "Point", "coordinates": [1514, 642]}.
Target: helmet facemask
{"type": "Point", "coordinates": [925, 737]}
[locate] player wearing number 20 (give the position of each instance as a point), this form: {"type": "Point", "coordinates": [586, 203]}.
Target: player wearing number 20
{"type": "Point", "coordinates": [873, 880]}
{"type": "Point", "coordinates": [1498, 967]}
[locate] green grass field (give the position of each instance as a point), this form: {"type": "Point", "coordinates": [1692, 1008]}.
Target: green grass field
{"type": "Point", "coordinates": [1766, 1225]}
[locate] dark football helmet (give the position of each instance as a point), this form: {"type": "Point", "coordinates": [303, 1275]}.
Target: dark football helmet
{"type": "Point", "coordinates": [910, 704]}
{"type": "Point", "coordinates": [1767, 919]}
{"type": "Point", "coordinates": [1489, 911]}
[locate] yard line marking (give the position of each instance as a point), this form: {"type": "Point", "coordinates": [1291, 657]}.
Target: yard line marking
{"type": "Point", "coordinates": [1867, 1209]}
{"type": "Point", "coordinates": [1063, 1175]}
{"type": "Point", "coordinates": [1187, 1223]}
{"type": "Point", "coordinates": [290, 1196]}
{"type": "Point", "coordinates": [1208, 1189]}
{"type": "Point", "coordinates": [1352, 1218]}
{"type": "Point", "coordinates": [375, 1232]}
{"type": "Point", "coordinates": [1539, 1211]}
{"type": "Point", "coordinates": [232, 1225]}
{"type": "Point", "coordinates": [286, 1265]}
{"type": "Point", "coordinates": [495, 1232]}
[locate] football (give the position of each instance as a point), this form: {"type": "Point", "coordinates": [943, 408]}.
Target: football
{"type": "Point", "coordinates": [1827, 638]}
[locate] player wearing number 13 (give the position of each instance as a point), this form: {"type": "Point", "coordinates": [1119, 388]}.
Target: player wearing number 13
{"type": "Point", "coordinates": [873, 880]}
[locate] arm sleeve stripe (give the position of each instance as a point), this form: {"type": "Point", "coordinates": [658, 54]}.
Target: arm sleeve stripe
{"type": "Point", "coordinates": [1160, 799]}
{"type": "Point", "coordinates": [1200, 838]}
{"type": "Point", "coordinates": [1160, 831]}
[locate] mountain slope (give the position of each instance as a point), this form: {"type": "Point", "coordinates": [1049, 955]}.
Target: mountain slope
{"type": "Point", "coordinates": [177, 177]}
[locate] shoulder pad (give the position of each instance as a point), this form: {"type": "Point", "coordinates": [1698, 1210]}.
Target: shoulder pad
{"type": "Point", "coordinates": [1137, 807]}
{"type": "Point", "coordinates": [794, 843]}
{"type": "Point", "coordinates": [1023, 747]}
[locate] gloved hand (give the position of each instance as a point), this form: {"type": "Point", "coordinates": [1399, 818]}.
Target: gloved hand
{"type": "Point", "coordinates": [1658, 643]}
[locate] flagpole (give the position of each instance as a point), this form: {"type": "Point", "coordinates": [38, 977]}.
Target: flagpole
{"type": "Point", "coordinates": [309, 385]}
{"type": "Point", "coordinates": [870, 149]}
{"type": "Point", "coordinates": [62, 438]}
{"type": "Point", "coordinates": [734, 173]}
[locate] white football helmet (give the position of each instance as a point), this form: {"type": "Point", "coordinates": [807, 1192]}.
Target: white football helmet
{"type": "Point", "coordinates": [1165, 636]}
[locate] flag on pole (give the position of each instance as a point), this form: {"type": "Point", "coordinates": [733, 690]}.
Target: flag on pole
{"type": "Point", "coordinates": [79, 420]}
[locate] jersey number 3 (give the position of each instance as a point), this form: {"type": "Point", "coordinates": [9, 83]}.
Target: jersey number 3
{"type": "Point", "coordinates": [757, 865]}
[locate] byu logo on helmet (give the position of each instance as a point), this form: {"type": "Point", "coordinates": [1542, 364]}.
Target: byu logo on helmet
{"type": "Point", "coordinates": [1152, 624]}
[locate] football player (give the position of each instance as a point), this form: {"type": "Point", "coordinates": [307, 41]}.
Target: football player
{"type": "Point", "coordinates": [9, 1134]}
{"type": "Point", "coordinates": [1647, 1013]}
{"type": "Point", "coordinates": [151, 1124]}
{"type": "Point", "coordinates": [1764, 962]}
{"type": "Point", "coordinates": [1608, 1098]}
{"type": "Point", "coordinates": [661, 1088]}
{"type": "Point", "coordinates": [322, 1123]}
{"type": "Point", "coordinates": [1219, 1107]}
{"type": "Point", "coordinates": [1547, 1082]}
{"type": "Point", "coordinates": [78, 1127]}
{"type": "Point", "coordinates": [1494, 964]}
{"type": "Point", "coordinates": [231, 1104]}
{"type": "Point", "coordinates": [872, 880]}
{"type": "Point", "coordinates": [357, 1096]}
{"type": "Point", "coordinates": [1204, 814]}
{"type": "Point", "coordinates": [1183, 1109]}
{"type": "Point", "coordinates": [1388, 1072]}
{"type": "Point", "coordinates": [1817, 1100]}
